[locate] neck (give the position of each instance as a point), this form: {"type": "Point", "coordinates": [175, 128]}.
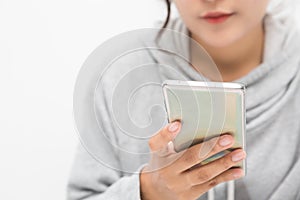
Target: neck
{"type": "Point", "coordinates": [239, 58]}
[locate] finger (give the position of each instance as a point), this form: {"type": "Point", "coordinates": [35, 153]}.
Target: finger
{"type": "Point", "coordinates": [207, 172]}
{"type": "Point", "coordinates": [228, 175]}
{"type": "Point", "coordinates": [160, 141]}
{"type": "Point", "coordinates": [200, 152]}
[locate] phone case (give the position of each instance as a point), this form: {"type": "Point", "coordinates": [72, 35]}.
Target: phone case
{"type": "Point", "coordinates": [206, 110]}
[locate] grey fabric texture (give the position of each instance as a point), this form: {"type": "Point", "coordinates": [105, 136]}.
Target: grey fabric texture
{"type": "Point", "coordinates": [272, 123]}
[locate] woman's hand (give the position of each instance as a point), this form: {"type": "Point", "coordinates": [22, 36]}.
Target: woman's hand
{"type": "Point", "coordinates": [171, 175]}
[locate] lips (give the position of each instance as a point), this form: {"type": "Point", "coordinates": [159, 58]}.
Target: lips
{"type": "Point", "coordinates": [216, 17]}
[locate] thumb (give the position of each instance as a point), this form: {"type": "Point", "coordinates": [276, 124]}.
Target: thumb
{"type": "Point", "coordinates": [160, 140]}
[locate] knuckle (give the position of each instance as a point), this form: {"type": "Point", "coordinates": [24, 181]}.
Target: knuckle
{"type": "Point", "coordinates": [170, 186]}
{"type": "Point", "coordinates": [213, 182]}
{"type": "Point", "coordinates": [207, 148]}
{"type": "Point", "coordinates": [210, 144]}
{"type": "Point", "coordinates": [202, 176]}
{"type": "Point", "coordinates": [165, 135]}
{"type": "Point", "coordinates": [226, 163]}
{"type": "Point", "coordinates": [151, 143]}
{"type": "Point", "coordinates": [190, 157]}
{"type": "Point", "coordinates": [215, 146]}
{"type": "Point", "coordinates": [165, 173]}
{"type": "Point", "coordinates": [162, 176]}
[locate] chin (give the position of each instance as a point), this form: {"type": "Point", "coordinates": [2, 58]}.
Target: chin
{"type": "Point", "coordinates": [218, 37]}
{"type": "Point", "coordinates": [218, 41]}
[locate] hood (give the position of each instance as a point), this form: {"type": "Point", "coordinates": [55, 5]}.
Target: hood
{"type": "Point", "coordinates": [268, 86]}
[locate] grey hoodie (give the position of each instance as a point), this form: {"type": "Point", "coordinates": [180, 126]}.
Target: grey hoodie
{"type": "Point", "coordinates": [108, 160]}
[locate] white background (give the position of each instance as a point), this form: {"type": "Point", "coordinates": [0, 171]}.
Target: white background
{"type": "Point", "coordinates": [42, 46]}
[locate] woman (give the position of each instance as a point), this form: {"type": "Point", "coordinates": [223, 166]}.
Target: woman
{"type": "Point", "coordinates": [253, 42]}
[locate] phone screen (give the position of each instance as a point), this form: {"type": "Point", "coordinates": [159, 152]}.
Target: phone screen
{"type": "Point", "coordinates": [206, 110]}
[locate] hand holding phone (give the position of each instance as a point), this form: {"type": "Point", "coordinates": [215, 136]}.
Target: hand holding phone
{"type": "Point", "coordinates": [170, 175]}
{"type": "Point", "coordinates": [206, 110]}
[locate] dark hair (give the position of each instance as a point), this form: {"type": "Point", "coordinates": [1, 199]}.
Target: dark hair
{"type": "Point", "coordinates": [168, 2]}
{"type": "Point", "coordinates": [168, 14]}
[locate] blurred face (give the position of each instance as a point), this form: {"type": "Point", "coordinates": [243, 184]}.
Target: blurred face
{"type": "Point", "coordinates": [219, 23]}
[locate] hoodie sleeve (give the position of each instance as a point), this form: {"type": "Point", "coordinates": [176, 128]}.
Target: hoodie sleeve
{"type": "Point", "coordinates": [94, 94]}
{"type": "Point", "coordinates": [91, 180]}
{"type": "Point", "coordinates": [95, 179]}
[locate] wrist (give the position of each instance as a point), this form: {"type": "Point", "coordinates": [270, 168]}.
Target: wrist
{"type": "Point", "coordinates": [145, 185]}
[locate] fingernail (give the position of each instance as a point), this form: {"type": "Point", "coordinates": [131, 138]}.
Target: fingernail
{"type": "Point", "coordinates": [173, 126]}
{"type": "Point", "coordinates": [237, 174]}
{"type": "Point", "coordinates": [225, 140]}
{"type": "Point", "coordinates": [238, 156]}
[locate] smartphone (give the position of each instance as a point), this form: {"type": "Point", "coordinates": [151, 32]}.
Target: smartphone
{"type": "Point", "coordinates": [206, 110]}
